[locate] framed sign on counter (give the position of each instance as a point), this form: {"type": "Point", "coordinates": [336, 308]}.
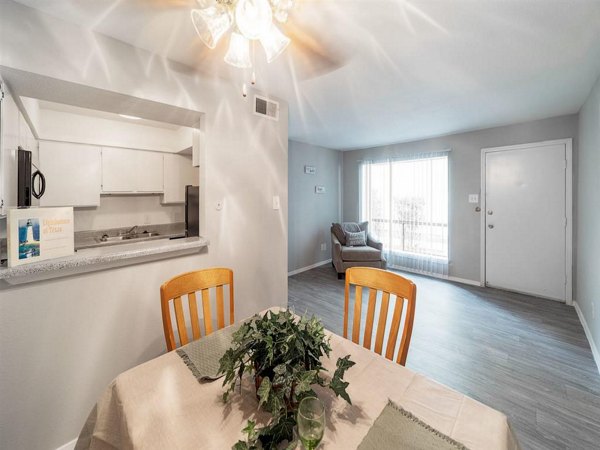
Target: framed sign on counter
{"type": "Point", "coordinates": [38, 234]}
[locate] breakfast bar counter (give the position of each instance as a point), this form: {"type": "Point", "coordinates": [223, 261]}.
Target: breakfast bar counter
{"type": "Point", "coordinates": [99, 258]}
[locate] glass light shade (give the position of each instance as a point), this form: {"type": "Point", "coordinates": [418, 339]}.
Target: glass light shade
{"type": "Point", "coordinates": [274, 43]}
{"type": "Point", "coordinates": [253, 17]}
{"type": "Point", "coordinates": [211, 23]}
{"type": "Point", "coordinates": [205, 3]}
{"type": "Point", "coordinates": [238, 54]}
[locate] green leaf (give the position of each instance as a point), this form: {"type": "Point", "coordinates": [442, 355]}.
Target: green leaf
{"type": "Point", "coordinates": [263, 391]}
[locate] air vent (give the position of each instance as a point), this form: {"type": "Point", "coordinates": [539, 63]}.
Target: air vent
{"type": "Point", "coordinates": [266, 108]}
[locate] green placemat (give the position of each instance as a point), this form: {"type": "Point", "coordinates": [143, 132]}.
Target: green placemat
{"type": "Point", "coordinates": [202, 356]}
{"type": "Point", "coordinates": [396, 428]}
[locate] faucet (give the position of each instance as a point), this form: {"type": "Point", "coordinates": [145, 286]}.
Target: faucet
{"type": "Point", "coordinates": [131, 230]}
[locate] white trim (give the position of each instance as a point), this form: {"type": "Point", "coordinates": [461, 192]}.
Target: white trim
{"type": "Point", "coordinates": [69, 445]}
{"type": "Point", "coordinates": [312, 266]}
{"type": "Point", "coordinates": [435, 275]}
{"type": "Point", "coordinates": [568, 143]}
{"type": "Point", "coordinates": [588, 334]}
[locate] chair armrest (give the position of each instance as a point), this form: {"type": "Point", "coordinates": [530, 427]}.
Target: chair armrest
{"type": "Point", "coordinates": [372, 242]}
{"type": "Point", "coordinates": [336, 247]}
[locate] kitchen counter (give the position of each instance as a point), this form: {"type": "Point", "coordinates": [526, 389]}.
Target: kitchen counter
{"type": "Point", "coordinates": [104, 257]}
{"type": "Point", "coordinates": [90, 239]}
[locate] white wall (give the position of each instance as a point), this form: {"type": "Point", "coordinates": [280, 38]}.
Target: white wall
{"type": "Point", "coordinates": [464, 178]}
{"type": "Point", "coordinates": [587, 294]}
{"type": "Point", "coordinates": [63, 340]}
{"type": "Point", "coordinates": [67, 127]}
{"type": "Point", "coordinates": [311, 214]}
{"type": "Point", "coordinates": [116, 211]}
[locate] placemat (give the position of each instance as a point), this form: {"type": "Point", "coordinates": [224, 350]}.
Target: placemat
{"type": "Point", "coordinates": [396, 428]}
{"type": "Point", "coordinates": [202, 356]}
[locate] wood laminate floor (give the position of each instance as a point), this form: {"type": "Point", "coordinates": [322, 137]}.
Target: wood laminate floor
{"type": "Point", "coordinates": [521, 355]}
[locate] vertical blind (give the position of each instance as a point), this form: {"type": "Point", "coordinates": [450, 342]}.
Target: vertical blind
{"type": "Point", "coordinates": [406, 203]}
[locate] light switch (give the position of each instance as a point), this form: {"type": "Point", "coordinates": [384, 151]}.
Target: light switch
{"type": "Point", "coordinates": [276, 204]}
{"type": "Point", "coordinates": [319, 189]}
{"type": "Point", "coordinates": [473, 198]}
{"type": "Point", "coordinates": [219, 206]}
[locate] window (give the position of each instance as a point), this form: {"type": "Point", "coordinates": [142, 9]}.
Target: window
{"type": "Point", "coordinates": [406, 204]}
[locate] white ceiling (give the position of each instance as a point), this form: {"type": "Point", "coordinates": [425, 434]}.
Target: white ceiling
{"type": "Point", "coordinates": [404, 69]}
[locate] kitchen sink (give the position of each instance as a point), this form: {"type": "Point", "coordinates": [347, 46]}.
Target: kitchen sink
{"type": "Point", "coordinates": [105, 239]}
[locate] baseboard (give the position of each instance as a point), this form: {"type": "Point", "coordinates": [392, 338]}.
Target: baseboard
{"type": "Point", "coordinates": [68, 446]}
{"type": "Point", "coordinates": [312, 266]}
{"type": "Point", "coordinates": [588, 334]}
{"type": "Point", "coordinates": [441, 277]}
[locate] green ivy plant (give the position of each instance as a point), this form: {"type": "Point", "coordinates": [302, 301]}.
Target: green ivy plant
{"type": "Point", "coordinates": [283, 353]}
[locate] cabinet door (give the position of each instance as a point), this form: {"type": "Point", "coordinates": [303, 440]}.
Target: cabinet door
{"type": "Point", "coordinates": [131, 171]}
{"type": "Point", "coordinates": [179, 172]}
{"type": "Point", "coordinates": [118, 170]}
{"type": "Point", "coordinates": [72, 172]}
{"type": "Point", "coordinates": [149, 171]}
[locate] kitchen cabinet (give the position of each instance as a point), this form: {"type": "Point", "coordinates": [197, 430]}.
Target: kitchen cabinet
{"type": "Point", "coordinates": [131, 171]}
{"type": "Point", "coordinates": [178, 173]}
{"type": "Point", "coordinates": [73, 174]}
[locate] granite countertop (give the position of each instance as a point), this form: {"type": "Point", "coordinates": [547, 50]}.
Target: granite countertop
{"type": "Point", "coordinates": [97, 258]}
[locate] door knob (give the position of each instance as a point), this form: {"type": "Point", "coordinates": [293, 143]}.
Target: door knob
{"type": "Point", "coordinates": [490, 212]}
{"type": "Point", "coordinates": [490, 226]}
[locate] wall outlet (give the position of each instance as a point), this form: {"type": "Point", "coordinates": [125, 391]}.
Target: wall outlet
{"type": "Point", "coordinates": [276, 204]}
{"type": "Point", "coordinates": [473, 198]}
{"type": "Point", "coordinates": [219, 205]}
{"type": "Point", "coordinates": [323, 246]}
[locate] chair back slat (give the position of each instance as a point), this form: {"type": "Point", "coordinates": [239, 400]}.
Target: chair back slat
{"type": "Point", "coordinates": [181, 329]}
{"type": "Point", "coordinates": [383, 313]}
{"type": "Point", "coordinates": [188, 284]}
{"type": "Point", "coordinates": [193, 305]}
{"type": "Point", "coordinates": [370, 318]}
{"type": "Point", "coordinates": [393, 287]}
{"type": "Point", "coordinates": [394, 327]}
{"type": "Point", "coordinates": [406, 334]}
{"type": "Point", "coordinates": [206, 312]}
{"type": "Point", "coordinates": [357, 315]}
{"type": "Point", "coordinates": [220, 308]}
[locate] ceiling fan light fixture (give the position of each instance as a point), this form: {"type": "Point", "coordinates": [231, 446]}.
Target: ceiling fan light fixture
{"type": "Point", "coordinates": [253, 17]}
{"type": "Point", "coordinates": [211, 24]}
{"type": "Point", "coordinates": [238, 54]}
{"type": "Point", "coordinates": [274, 42]}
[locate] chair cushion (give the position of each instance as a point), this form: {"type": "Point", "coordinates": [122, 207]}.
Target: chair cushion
{"type": "Point", "coordinates": [338, 231]}
{"type": "Point", "coordinates": [365, 253]}
{"type": "Point", "coordinates": [358, 239]}
{"type": "Point", "coordinates": [355, 227]}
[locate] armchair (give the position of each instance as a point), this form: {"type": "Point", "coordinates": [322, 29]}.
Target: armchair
{"type": "Point", "coordinates": [344, 257]}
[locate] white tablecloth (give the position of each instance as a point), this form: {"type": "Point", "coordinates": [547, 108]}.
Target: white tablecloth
{"type": "Point", "coordinates": [161, 405]}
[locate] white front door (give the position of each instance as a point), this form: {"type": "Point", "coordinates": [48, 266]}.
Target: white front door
{"type": "Point", "coordinates": [525, 219]}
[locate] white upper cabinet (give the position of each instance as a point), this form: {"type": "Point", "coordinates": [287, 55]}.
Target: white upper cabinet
{"type": "Point", "coordinates": [72, 172]}
{"type": "Point", "coordinates": [131, 171]}
{"type": "Point", "coordinates": [179, 172]}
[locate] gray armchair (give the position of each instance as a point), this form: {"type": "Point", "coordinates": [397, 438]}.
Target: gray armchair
{"type": "Point", "coordinates": [343, 256]}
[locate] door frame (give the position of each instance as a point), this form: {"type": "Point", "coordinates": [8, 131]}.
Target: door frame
{"type": "Point", "coordinates": [568, 143]}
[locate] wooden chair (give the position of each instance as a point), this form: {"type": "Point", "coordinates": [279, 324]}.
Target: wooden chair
{"type": "Point", "coordinates": [187, 284]}
{"type": "Point", "coordinates": [389, 284]}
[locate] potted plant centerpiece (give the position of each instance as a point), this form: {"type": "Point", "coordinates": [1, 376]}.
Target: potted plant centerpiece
{"type": "Point", "coordinates": [283, 353]}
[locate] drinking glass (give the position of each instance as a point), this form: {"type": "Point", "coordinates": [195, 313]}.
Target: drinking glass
{"type": "Point", "coordinates": [311, 422]}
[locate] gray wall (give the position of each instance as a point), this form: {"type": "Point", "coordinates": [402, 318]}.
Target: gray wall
{"type": "Point", "coordinates": [311, 214]}
{"type": "Point", "coordinates": [588, 214]}
{"type": "Point", "coordinates": [464, 178]}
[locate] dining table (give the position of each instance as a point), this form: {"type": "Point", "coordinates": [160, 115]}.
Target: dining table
{"type": "Point", "coordinates": [160, 404]}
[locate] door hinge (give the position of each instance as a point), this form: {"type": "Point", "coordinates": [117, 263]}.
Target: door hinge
{"type": "Point", "coordinates": [566, 163]}
{"type": "Point", "coordinates": [565, 221]}
{"type": "Point", "coordinates": [1, 92]}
